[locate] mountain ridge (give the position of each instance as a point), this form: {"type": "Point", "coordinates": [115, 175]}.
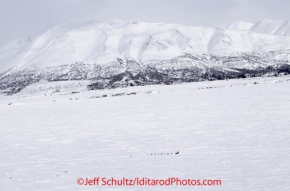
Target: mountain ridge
{"type": "Point", "coordinates": [166, 52]}
{"type": "Point", "coordinates": [265, 26]}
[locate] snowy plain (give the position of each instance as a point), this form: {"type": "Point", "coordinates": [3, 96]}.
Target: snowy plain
{"type": "Point", "coordinates": [236, 131]}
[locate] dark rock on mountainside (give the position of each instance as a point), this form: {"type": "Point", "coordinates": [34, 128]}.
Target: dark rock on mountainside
{"type": "Point", "coordinates": [118, 74]}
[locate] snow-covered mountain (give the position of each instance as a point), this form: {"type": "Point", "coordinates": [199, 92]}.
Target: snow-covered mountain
{"type": "Point", "coordinates": [241, 25]}
{"type": "Point", "coordinates": [141, 53]}
{"type": "Point", "coordinates": [277, 27]}
{"type": "Point", "coordinates": [266, 26]}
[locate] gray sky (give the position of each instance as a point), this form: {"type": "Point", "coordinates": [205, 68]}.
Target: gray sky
{"type": "Point", "coordinates": [32, 17]}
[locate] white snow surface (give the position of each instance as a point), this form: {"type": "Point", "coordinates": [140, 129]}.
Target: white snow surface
{"type": "Point", "coordinates": [236, 131]}
{"type": "Point", "coordinates": [241, 25]}
{"type": "Point", "coordinates": [265, 26]}
{"type": "Point", "coordinates": [103, 42]}
{"type": "Point", "coordinates": [277, 27]}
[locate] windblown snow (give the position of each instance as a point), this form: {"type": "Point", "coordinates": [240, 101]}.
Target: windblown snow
{"type": "Point", "coordinates": [236, 131]}
{"type": "Point", "coordinates": [241, 25]}
{"type": "Point", "coordinates": [266, 26]}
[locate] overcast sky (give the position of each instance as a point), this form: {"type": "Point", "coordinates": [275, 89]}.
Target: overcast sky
{"type": "Point", "coordinates": [32, 17]}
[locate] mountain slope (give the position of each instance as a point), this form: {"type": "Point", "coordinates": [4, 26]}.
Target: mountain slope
{"type": "Point", "coordinates": [142, 53]}
{"type": "Point", "coordinates": [241, 25]}
{"type": "Point", "coordinates": [277, 27]}
{"type": "Point", "coordinates": [266, 26]}
{"type": "Point", "coordinates": [102, 43]}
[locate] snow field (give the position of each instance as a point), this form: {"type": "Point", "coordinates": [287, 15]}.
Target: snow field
{"type": "Point", "coordinates": [237, 133]}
